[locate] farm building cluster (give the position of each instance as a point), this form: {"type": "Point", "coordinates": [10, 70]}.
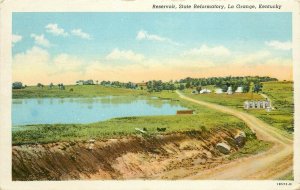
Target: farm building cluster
{"type": "Point", "coordinates": [249, 104]}
{"type": "Point", "coordinates": [258, 104]}
{"type": "Point", "coordinates": [219, 91]}
{"type": "Point", "coordinates": [84, 82]}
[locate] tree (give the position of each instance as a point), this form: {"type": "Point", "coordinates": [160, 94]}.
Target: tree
{"type": "Point", "coordinates": [181, 87]}
{"type": "Point", "coordinates": [198, 88]}
{"type": "Point", "coordinates": [188, 85]}
{"type": "Point", "coordinates": [172, 87]}
{"type": "Point", "coordinates": [258, 87]}
{"type": "Point", "coordinates": [17, 85]}
{"type": "Point", "coordinates": [246, 87]}
{"type": "Point", "coordinates": [40, 85]}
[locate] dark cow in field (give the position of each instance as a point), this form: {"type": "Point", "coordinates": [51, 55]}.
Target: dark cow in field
{"type": "Point", "coordinates": [163, 129]}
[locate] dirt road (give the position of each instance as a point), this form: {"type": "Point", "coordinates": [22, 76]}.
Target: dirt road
{"type": "Point", "coordinates": [272, 164]}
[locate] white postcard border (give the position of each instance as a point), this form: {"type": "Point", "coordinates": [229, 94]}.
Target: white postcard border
{"type": "Point", "coordinates": [9, 6]}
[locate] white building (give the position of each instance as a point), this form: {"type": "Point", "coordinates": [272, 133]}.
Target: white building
{"type": "Point", "coordinates": [239, 89]}
{"type": "Point", "coordinates": [80, 82]}
{"type": "Point", "coordinates": [229, 90]}
{"type": "Point", "coordinates": [205, 91]}
{"type": "Point", "coordinates": [260, 104]}
{"type": "Point", "coordinates": [218, 91]}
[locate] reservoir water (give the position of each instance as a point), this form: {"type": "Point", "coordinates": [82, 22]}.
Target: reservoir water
{"type": "Point", "coordinates": [87, 110]}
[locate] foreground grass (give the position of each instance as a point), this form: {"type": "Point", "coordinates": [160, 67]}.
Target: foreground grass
{"type": "Point", "coordinates": [253, 146]}
{"type": "Point", "coordinates": [122, 127]}
{"type": "Point", "coordinates": [281, 94]}
{"type": "Point", "coordinates": [289, 176]}
{"type": "Point", "coordinates": [73, 91]}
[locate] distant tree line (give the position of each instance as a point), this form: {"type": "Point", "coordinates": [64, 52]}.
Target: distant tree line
{"type": "Point", "coordinates": [225, 82]}
{"type": "Point", "coordinates": [253, 83]}
{"type": "Point", "coordinates": [118, 84]}
{"type": "Point", "coordinates": [19, 85]}
{"type": "Point", "coordinates": [158, 85]}
{"type": "Point", "coordinates": [248, 83]}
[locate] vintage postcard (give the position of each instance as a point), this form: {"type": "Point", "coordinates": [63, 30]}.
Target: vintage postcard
{"type": "Point", "coordinates": [160, 94]}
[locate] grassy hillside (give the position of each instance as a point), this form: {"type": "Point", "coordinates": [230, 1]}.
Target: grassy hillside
{"type": "Point", "coordinates": [72, 91]}
{"type": "Point", "coordinates": [280, 93]}
{"type": "Point", "coordinates": [234, 100]}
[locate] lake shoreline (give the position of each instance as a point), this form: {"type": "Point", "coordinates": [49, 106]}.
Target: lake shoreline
{"type": "Point", "coordinates": [35, 111]}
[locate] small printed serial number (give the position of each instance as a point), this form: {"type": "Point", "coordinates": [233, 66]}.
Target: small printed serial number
{"type": "Point", "coordinates": [284, 183]}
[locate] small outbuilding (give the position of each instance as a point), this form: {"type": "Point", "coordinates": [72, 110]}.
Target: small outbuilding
{"type": "Point", "coordinates": [205, 91]}
{"type": "Point", "coordinates": [229, 90]}
{"type": "Point", "coordinates": [239, 89]}
{"type": "Point", "coordinates": [219, 91]}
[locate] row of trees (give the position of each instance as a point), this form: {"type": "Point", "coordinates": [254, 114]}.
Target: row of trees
{"type": "Point", "coordinates": [118, 84]}
{"type": "Point", "coordinates": [218, 81]}
{"type": "Point", "coordinates": [247, 83]}
{"type": "Point", "coordinates": [18, 85]}
{"type": "Point", "coordinates": [51, 85]}
{"type": "Point", "coordinates": [158, 85]}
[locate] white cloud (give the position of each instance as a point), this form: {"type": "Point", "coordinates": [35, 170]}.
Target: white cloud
{"type": "Point", "coordinates": [124, 55]}
{"type": "Point", "coordinates": [16, 38]}
{"type": "Point", "coordinates": [66, 63]}
{"type": "Point", "coordinates": [280, 45]}
{"type": "Point", "coordinates": [81, 34]}
{"type": "Point", "coordinates": [40, 40]}
{"type": "Point", "coordinates": [251, 59]}
{"type": "Point", "coordinates": [34, 55]}
{"type": "Point", "coordinates": [204, 50]}
{"type": "Point", "coordinates": [36, 65]}
{"type": "Point", "coordinates": [54, 29]}
{"type": "Point", "coordinates": [144, 35]}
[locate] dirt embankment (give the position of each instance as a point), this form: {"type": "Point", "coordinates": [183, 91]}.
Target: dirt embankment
{"type": "Point", "coordinates": [125, 158]}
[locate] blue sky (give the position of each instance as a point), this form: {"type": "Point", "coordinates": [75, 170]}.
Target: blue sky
{"type": "Point", "coordinates": [152, 36]}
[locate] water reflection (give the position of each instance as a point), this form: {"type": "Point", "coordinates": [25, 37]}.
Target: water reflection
{"type": "Point", "coordinates": [40, 101]}
{"type": "Point", "coordinates": [87, 110]}
{"type": "Point", "coordinates": [17, 101]}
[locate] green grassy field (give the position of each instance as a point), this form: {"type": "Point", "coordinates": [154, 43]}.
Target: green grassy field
{"type": "Point", "coordinates": [253, 146]}
{"type": "Point", "coordinates": [121, 127]}
{"type": "Point", "coordinates": [289, 176]}
{"type": "Point", "coordinates": [77, 91]}
{"type": "Point", "coordinates": [234, 100]}
{"type": "Point", "coordinates": [281, 94]}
